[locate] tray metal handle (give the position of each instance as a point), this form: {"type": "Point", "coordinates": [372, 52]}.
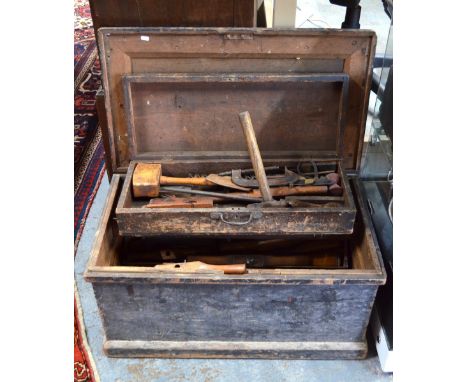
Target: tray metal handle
{"type": "Point", "coordinates": [220, 216]}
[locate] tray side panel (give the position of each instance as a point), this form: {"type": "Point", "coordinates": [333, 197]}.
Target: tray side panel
{"type": "Point", "coordinates": [139, 222]}
{"type": "Point", "coordinates": [136, 220]}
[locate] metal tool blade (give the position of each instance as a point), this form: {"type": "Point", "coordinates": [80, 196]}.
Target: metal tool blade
{"type": "Point", "coordinates": [225, 181]}
{"type": "Point", "coordinates": [250, 171]}
{"type": "Point", "coordinates": [289, 178]}
{"type": "Point", "coordinates": [221, 195]}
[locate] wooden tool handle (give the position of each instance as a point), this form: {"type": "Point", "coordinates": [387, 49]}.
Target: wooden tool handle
{"type": "Point", "coordinates": [228, 269]}
{"type": "Point", "coordinates": [170, 181]}
{"type": "Point", "coordinates": [324, 260]}
{"type": "Point", "coordinates": [176, 202]}
{"type": "Point", "coordinates": [255, 156]}
{"type": "Point", "coordinates": [299, 190]}
{"type": "Point", "coordinates": [195, 266]}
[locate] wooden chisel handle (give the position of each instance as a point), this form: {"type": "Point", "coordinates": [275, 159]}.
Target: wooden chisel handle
{"type": "Point", "coordinates": [255, 156]}
{"type": "Point", "coordinates": [228, 269]}
{"type": "Point", "coordinates": [168, 180]}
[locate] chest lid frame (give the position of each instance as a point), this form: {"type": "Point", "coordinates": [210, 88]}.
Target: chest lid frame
{"type": "Point", "coordinates": [203, 51]}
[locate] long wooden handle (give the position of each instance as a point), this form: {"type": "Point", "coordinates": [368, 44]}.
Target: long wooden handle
{"type": "Point", "coordinates": [300, 190]}
{"type": "Point", "coordinates": [177, 202]}
{"type": "Point", "coordinates": [288, 191]}
{"type": "Point", "coordinates": [324, 259]}
{"type": "Point", "coordinates": [255, 156]}
{"type": "Point", "coordinates": [170, 181]}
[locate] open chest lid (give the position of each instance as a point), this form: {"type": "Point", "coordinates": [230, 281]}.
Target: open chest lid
{"type": "Point", "coordinates": [175, 93]}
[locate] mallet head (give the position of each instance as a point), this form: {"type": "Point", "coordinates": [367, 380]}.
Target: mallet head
{"type": "Point", "coordinates": [146, 180]}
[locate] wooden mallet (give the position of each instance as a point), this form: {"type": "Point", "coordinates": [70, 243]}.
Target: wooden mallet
{"type": "Point", "coordinates": [147, 179]}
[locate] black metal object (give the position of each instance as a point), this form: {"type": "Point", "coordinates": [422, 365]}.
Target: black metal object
{"type": "Point", "coordinates": [380, 61]}
{"type": "Point", "coordinates": [386, 108]}
{"type": "Point", "coordinates": [288, 178]}
{"type": "Point", "coordinates": [388, 7]}
{"type": "Point", "coordinates": [352, 16]}
{"type": "Point", "coordinates": [378, 196]}
{"type": "Point", "coordinates": [385, 94]}
{"type": "Point", "coordinates": [376, 87]}
{"type": "Point", "coordinates": [250, 171]}
{"type": "Point", "coordinates": [353, 13]}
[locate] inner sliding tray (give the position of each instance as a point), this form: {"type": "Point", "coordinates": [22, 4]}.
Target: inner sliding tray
{"type": "Point", "coordinates": [189, 123]}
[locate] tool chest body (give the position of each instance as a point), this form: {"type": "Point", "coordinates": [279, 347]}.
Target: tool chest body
{"type": "Point", "coordinates": [307, 91]}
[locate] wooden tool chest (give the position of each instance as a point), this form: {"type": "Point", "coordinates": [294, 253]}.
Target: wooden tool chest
{"type": "Point", "coordinates": [172, 97]}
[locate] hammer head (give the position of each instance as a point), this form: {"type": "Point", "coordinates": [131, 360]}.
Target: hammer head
{"type": "Point", "coordinates": [146, 180]}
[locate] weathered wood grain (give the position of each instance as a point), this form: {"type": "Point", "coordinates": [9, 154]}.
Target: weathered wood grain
{"type": "Point", "coordinates": [199, 113]}
{"type": "Point", "coordinates": [175, 13]}
{"type": "Point", "coordinates": [102, 117]}
{"type": "Point", "coordinates": [219, 221]}
{"type": "Point", "coordinates": [241, 312]}
{"type": "Point", "coordinates": [236, 349]}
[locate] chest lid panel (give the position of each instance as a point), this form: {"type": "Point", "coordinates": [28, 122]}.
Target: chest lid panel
{"type": "Point", "coordinates": [196, 116]}
{"type": "Point", "coordinates": [290, 112]}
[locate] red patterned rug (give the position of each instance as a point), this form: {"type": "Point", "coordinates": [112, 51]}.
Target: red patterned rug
{"type": "Point", "coordinates": [89, 160]}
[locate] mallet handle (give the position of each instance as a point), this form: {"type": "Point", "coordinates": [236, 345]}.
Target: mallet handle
{"type": "Point", "coordinates": [168, 180]}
